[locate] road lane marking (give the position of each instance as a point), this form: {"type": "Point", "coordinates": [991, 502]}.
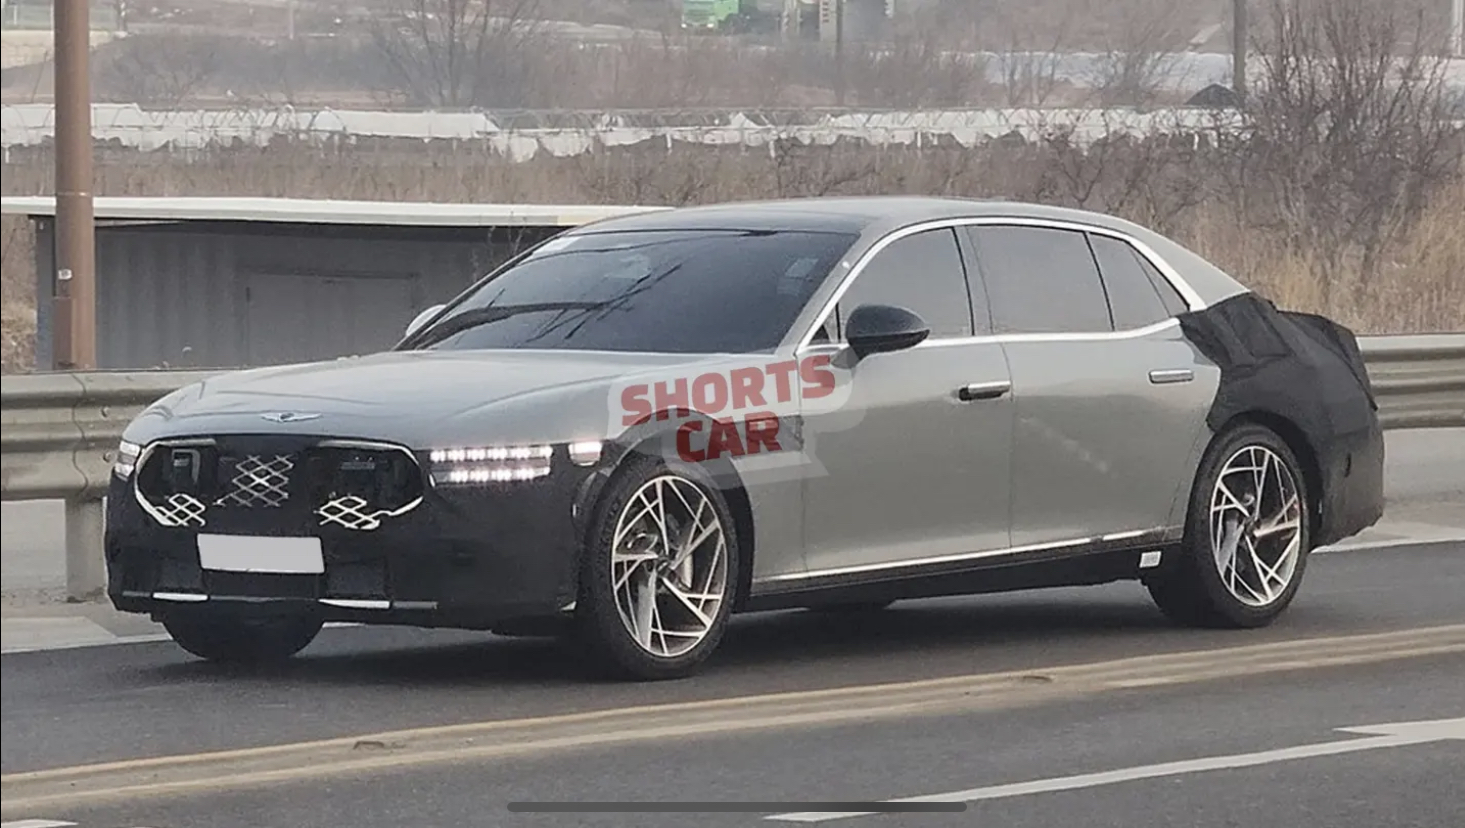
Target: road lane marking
{"type": "Point", "coordinates": [36, 823]}
{"type": "Point", "coordinates": [1401, 734]}
{"type": "Point", "coordinates": [29, 792]}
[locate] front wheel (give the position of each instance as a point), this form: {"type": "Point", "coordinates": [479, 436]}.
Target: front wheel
{"type": "Point", "coordinates": [660, 572]}
{"type": "Point", "coordinates": [242, 640]}
{"type": "Point", "coordinates": [1247, 536]}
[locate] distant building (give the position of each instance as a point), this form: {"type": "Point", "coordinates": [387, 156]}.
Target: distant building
{"type": "Point", "coordinates": [234, 282]}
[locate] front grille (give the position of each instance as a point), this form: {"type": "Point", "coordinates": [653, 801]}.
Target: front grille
{"type": "Point", "coordinates": [267, 483]}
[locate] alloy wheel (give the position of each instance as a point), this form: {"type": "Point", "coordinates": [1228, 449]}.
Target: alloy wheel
{"type": "Point", "coordinates": [1256, 525]}
{"type": "Point", "coordinates": [669, 566]}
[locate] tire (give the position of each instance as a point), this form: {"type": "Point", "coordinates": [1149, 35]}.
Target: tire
{"type": "Point", "coordinates": [605, 617]}
{"type": "Point", "coordinates": [230, 639]}
{"type": "Point", "coordinates": [1189, 587]}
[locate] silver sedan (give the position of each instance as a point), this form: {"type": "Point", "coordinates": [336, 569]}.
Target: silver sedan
{"type": "Point", "coordinates": [646, 424]}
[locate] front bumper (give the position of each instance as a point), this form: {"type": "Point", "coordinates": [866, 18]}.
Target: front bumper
{"type": "Point", "coordinates": [468, 556]}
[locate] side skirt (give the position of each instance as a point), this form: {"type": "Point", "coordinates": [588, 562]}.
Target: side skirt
{"type": "Point", "coordinates": [1090, 563]}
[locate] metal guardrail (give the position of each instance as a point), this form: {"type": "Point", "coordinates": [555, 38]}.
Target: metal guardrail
{"type": "Point", "coordinates": [1419, 380]}
{"type": "Point", "coordinates": [61, 430]}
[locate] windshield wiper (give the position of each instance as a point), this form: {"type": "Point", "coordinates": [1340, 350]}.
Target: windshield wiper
{"type": "Point", "coordinates": [487, 316]}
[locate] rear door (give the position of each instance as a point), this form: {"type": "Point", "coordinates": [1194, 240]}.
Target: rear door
{"type": "Point", "coordinates": [1107, 402]}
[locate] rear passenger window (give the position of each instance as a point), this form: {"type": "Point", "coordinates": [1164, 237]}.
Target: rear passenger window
{"type": "Point", "coordinates": [1133, 300]}
{"type": "Point", "coordinates": [1041, 280]}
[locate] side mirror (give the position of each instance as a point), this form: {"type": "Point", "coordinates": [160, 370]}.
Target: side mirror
{"type": "Point", "coordinates": [875, 329]}
{"type": "Point", "coordinates": [421, 319]}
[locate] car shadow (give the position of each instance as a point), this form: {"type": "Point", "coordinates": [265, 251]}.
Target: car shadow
{"type": "Point", "coordinates": [781, 649]}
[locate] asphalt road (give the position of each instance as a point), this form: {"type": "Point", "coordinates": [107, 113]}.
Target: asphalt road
{"type": "Point", "coordinates": [69, 707]}
{"type": "Point", "coordinates": [1365, 785]}
{"type": "Point", "coordinates": [64, 708]}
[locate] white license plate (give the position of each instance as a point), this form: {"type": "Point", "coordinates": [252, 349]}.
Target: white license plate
{"type": "Point", "coordinates": [256, 553]}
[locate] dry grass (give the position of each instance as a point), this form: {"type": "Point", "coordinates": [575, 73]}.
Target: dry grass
{"type": "Point", "coordinates": [1419, 288]}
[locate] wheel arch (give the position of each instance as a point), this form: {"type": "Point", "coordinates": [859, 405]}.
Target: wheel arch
{"type": "Point", "coordinates": [1301, 448]}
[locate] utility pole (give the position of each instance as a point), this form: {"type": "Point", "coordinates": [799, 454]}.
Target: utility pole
{"type": "Point", "coordinates": [1457, 28]}
{"type": "Point", "coordinates": [1239, 27]}
{"type": "Point", "coordinates": [839, 53]}
{"type": "Point", "coordinates": [74, 332]}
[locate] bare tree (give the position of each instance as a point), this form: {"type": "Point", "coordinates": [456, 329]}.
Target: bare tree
{"type": "Point", "coordinates": [1030, 76]}
{"type": "Point", "coordinates": [1139, 60]}
{"type": "Point", "coordinates": [158, 70]}
{"type": "Point", "coordinates": [459, 53]}
{"type": "Point", "coordinates": [1350, 131]}
{"type": "Point", "coordinates": [916, 70]}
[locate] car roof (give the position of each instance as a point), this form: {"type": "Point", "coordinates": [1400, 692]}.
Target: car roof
{"type": "Point", "coordinates": [840, 214]}
{"type": "Point", "coordinates": [880, 214]}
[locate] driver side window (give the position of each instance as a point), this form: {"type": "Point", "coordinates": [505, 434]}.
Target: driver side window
{"type": "Point", "coordinates": [922, 273]}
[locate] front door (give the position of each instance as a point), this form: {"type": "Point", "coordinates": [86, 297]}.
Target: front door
{"type": "Point", "coordinates": [913, 468]}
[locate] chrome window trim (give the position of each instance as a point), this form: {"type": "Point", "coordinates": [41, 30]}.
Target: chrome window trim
{"type": "Point", "coordinates": [1192, 299]}
{"type": "Point", "coordinates": [1003, 339]}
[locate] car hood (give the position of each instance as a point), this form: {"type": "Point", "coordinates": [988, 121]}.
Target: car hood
{"type": "Point", "coordinates": [420, 398]}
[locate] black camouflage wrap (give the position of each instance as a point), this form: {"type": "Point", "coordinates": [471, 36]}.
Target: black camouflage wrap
{"type": "Point", "coordinates": [1309, 371]}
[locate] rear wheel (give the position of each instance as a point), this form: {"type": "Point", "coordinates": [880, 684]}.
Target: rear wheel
{"type": "Point", "coordinates": [242, 640]}
{"type": "Point", "coordinates": [660, 572]}
{"type": "Point", "coordinates": [1247, 536]}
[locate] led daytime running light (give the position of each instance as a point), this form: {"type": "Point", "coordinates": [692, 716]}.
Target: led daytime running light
{"type": "Point", "coordinates": [471, 465]}
{"type": "Point", "coordinates": [496, 454]}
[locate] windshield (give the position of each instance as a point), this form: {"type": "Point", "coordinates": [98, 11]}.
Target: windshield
{"type": "Point", "coordinates": [664, 291]}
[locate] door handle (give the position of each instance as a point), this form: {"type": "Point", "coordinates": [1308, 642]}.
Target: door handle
{"type": "Point", "coordinates": [983, 390]}
{"type": "Point", "coordinates": [1171, 375]}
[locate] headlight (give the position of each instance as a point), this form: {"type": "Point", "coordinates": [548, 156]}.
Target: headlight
{"type": "Point", "coordinates": [127, 454]}
{"type": "Point", "coordinates": [503, 464]}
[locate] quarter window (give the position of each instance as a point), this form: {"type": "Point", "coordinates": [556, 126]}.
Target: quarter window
{"type": "Point", "coordinates": [922, 273]}
{"type": "Point", "coordinates": [1041, 280]}
{"type": "Point", "coordinates": [1175, 304]}
{"type": "Point", "coordinates": [1133, 298]}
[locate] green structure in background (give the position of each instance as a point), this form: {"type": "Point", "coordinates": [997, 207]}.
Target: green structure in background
{"type": "Point", "coordinates": [728, 16]}
{"type": "Point", "coordinates": [709, 14]}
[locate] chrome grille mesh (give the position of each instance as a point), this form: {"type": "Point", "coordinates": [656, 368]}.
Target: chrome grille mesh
{"type": "Point", "coordinates": [260, 482]}
{"type": "Point", "coordinates": [180, 510]}
{"type": "Point", "coordinates": [353, 512]}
